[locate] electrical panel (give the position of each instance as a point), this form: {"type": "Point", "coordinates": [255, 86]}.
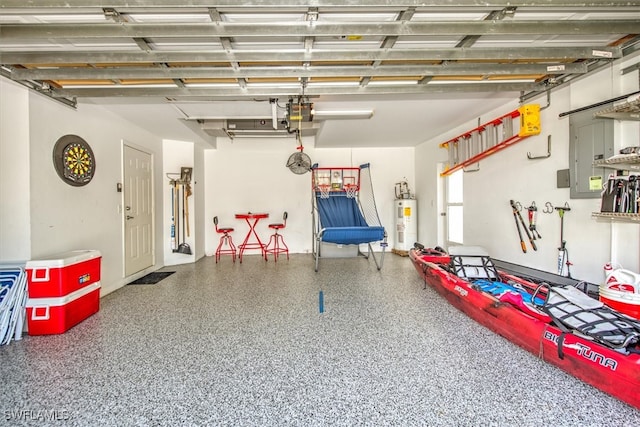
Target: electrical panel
{"type": "Point", "coordinates": [591, 139]}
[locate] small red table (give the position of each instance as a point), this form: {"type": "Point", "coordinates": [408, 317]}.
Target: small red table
{"type": "Point", "coordinates": [252, 219]}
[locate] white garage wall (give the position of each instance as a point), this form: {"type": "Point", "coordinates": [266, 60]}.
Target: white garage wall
{"type": "Point", "coordinates": [200, 223]}
{"type": "Point", "coordinates": [65, 218]}
{"type": "Point", "coordinates": [60, 217]}
{"type": "Point", "coordinates": [15, 241]}
{"type": "Point", "coordinates": [249, 175]}
{"type": "Point", "coordinates": [509, 174]}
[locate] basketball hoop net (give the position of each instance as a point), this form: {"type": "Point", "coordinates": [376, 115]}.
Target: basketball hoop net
{"type": "Point", "coordinates": [324, 190]}
{"type": "Point", "coordinates": [351, 190]}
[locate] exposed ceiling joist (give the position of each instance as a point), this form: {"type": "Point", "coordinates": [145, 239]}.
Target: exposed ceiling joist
{"type": "Point", "coordinates": [317, 55]}
{"type": "Point", "coordinates": [237, 93]}
{"type": "Point", "coordinates": [44, 4]}
{"type": "Point", "coordinates": [450, 69]}
{"type": "Point", "coordinates": [494, 15]}
{"type": "Point", "coordinates": [23, 32]}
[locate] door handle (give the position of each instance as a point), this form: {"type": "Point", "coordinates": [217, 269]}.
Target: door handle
{"type": "Point", "coordinates": [129, 217]}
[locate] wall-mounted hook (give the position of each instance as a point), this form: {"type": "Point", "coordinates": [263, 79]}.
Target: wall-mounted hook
{"type": "Point", "coordinates": [171, 178]}
{"type": "Point", "coordinates": [548, 208]}
{"type": "Point", "coordinates": [548, 100]}
{"type": "Point", "coordinates": [566, 207]}
{"type": "Point", "coordinates": [544, 156]}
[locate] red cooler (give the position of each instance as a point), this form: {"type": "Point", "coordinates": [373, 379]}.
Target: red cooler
{"type": "Point", "coordinates": [624, 301]}
{"type": "Point", "coordinates": [63, 290]}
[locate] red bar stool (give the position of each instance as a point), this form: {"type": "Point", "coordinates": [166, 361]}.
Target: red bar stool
{"type": "Point", "coordinates": [226, 245]}
{"type": "Point", "coordinates": [276, 243]}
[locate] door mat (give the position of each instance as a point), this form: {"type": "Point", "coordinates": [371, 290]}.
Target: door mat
{"type": "Point", "coordinates": [152, 278]}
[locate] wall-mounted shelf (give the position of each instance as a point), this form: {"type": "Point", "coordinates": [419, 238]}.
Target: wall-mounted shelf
{"type": "Point", "coordinates": [628, 162]}
{"type": "Point", "coordinates": [626, 110]}
{"type": "Point", "coordinates": [617, 215]}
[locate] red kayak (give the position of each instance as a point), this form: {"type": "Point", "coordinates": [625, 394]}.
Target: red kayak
{"type": "Point", "coordinates": [601, 348]}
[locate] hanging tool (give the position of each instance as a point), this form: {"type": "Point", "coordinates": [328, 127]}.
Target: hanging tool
{"type": "Point", "coordinates": [183, 247]}
{"type": "Point", "coordinates": [563, 253]}
{"type": "Point", "coordinates": [187, 193]}
{"type": "Point", "coordinates": [533, 211]}
{"type": "Point", "coordinates": [185, 179]}
{"type": "Point", "coordinates": [175, 214]}
{"type": "Point", "coordinates": [518, 217]}
{"type": "Point", "coordinates": [515, 218]}
{"type": "Point", "coordinates": [172, 183]}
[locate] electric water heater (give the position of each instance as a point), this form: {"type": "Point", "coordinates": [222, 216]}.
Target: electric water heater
{"type": "Point", "coordinates": [406, 215]}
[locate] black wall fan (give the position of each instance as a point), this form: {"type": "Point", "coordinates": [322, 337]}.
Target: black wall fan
{"type": "Point", "coordinates": [299, 162]}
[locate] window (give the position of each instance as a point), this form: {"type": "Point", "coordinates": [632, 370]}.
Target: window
{"type": "Point", "coordinates": [454, 208]}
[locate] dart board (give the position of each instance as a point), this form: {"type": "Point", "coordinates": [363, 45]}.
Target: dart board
{"type": "Point", "coordinates": [74, 160]}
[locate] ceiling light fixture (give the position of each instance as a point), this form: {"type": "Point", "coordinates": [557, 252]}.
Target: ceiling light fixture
{"type": "Point", "coordinates": [393, 83]}
{"type": "Point", "coordinates": [329, 84]}
{"type": "Point", "coordinates": [118, 87]}
{"type": "Point", "coordinates": [342, 114]}
{"type": "Point", "coordinates": [471, 82]}
{"type": "Point", "coordinates": [274, 112]}
{"type": "Point", "coordinates": [278, 85]}
{"type": "Point", "coordinates": [209, 85]}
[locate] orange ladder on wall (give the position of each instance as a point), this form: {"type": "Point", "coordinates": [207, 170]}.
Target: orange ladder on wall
{"type": "Point", "coordinates": [491, 137]}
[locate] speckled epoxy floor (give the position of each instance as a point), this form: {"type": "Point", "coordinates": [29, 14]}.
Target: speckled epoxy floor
{"type": "Point", "coordinates": [245, 344]}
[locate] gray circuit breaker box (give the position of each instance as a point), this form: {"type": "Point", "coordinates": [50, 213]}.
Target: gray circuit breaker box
{"type": "Point", "coordinates": [591, 139]}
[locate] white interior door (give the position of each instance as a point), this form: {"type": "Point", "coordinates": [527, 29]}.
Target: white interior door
{"type": "Point", "coordinates": [138, 211]}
